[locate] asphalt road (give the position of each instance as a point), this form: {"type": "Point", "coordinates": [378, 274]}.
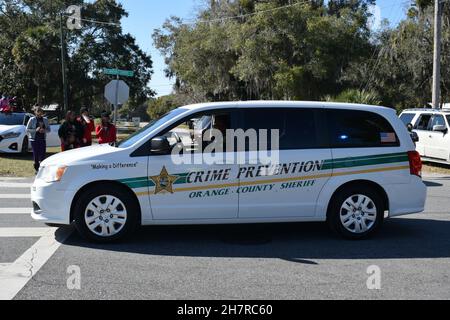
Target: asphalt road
{"type": "Point", "coordinates": [294, 261]}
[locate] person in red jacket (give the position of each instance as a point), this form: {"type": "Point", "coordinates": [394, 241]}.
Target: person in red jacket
{"type": "Point", "coordinates": [106, 131]}
{"type": "Point", "coordinates": [88, 127]}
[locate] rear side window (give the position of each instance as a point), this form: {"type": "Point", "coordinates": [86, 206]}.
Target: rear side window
{"type": "Point", "coordinates": [407, 118]}
{"type": "Point", "coordinates": [297, 127]}
{"type": "Point", "coordinates": [438, 120]}
{"type": "Point", "coordinates": [360, 129]}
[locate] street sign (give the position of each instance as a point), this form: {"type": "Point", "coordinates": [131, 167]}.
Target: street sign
{"type": "Point", "coordinates": [118, 72]}
{"type": "Point", "coordinates": [117, 92]}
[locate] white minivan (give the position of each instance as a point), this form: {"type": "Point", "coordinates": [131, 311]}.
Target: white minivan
{"type": "Point", "coordinates": [350, 165]}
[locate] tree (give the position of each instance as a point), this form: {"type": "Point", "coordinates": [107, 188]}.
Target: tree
{"type": "Point", "coordinates": [402, 69]}
{"type": "Point", "coordinates": [356, 96]}
{"type": "Point", "coordinates": [298, 52]}
{"type": "Point", "coordinates": [89, 50]}
{"type": "Point", "coordinates": [160, 106]}
{"type": "Point", "coordinates": [36, 55]}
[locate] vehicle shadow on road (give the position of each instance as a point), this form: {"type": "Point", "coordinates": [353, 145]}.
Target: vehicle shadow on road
{"type": "Point", "coordinates": [432, 184]}
{"type": "Point", "coordinates": [401, 238]}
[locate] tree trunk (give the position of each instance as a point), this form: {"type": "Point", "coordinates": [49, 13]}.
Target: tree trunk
{"type": "Point", "coordinates": [39, 94]}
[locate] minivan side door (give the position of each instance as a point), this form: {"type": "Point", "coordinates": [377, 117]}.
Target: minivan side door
{"type": "Point", "coordinates": [195, 189]}
{"type": "Point", "coordinates": [289, 187]}
{"type": "Point", "coordinates": [421, 128]}
{"type": "Point", "coordinates": [438, 143]}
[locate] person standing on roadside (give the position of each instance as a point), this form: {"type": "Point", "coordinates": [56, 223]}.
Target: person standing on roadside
{"type": "Point", "coordinates": [37, 129]}
{"type": "Point", "coordinates": [106, 131]}
{"type": "Point", "coordinates": [70, 133]}
{"type": "Point", "coordinates": [88, 127]}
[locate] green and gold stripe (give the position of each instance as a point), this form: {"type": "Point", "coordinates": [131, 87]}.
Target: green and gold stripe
{"type": "Point", "coordinates": [329, 165]}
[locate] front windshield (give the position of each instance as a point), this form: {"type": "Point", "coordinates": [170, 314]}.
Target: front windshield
{"type": "Point", "coordinates": [138, 135]}
{"type": "Point", "coordinates": [11, 119]}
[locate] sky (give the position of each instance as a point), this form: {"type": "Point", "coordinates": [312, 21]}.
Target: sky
{"type": "Point", "coordinates": [147, 15]}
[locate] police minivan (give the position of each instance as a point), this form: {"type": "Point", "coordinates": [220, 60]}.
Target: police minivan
{"type": "Point", "coordinates": [350, 165]}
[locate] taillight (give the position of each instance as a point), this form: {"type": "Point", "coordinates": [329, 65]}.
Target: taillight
{"type": "Point", "coordinates": [415, 163]}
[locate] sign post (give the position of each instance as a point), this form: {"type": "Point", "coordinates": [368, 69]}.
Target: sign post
{"type": "Point", "coordinates": [117, 91]}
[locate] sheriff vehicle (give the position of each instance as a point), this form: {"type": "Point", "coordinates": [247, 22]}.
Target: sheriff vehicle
{"type": "Point", "coordinates": [349, 165]}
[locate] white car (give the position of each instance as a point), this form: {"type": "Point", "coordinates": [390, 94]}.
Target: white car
{"type": "Point", "coordinates": [13, 137]}
{"type": "Point", "coordinates": [432, 127]}
{"type": "Point", "coordinates": [346, 164]}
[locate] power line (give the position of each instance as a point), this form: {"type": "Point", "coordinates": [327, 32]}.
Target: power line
{"type": "Point", "coordinates": [195, 21]}
{"type": "Point", "coordinates": [94, 21]}
{"type": "Point", "coordinates": [241, 16]}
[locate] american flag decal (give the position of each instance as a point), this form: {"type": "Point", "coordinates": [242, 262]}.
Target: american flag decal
{"type": "Point", "coordinates": [388, 137]}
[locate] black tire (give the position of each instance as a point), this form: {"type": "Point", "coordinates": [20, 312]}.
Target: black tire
{"type": "Point", "coordinates": [131, 206]}
{"type": "Point", "coordinates": [335, 212]}
{"type": "Point", "coordinates": [25, 145]}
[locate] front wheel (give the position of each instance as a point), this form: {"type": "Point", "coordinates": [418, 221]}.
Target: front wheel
{"type": "Point", "coordinates": [106, 216]}
{"type": "Point", "coordinates": [356, 213]}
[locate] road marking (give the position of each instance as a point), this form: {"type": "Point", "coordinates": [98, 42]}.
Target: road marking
{"type": "Point", "coordinates": [24, 232]}
{"type": "Point", "coordinates": [24, 185]}
{"type": "Point", "coordinates": [15, 196]}
{"type": "Point", "coordinates": [15, 210]}
{"type": "Point", "coordinates": [14, 277]}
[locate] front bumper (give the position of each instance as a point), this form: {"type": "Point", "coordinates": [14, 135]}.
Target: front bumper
{"type": "Point", "coordinates": [50, 205]}
{"type": "Point", "coordinates": [10, 146]}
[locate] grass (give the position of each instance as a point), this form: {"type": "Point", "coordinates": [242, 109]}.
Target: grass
{"type": "Point", "coordinates": [20, 165]}
{"type": "Point", "coordinates": [436, 168]}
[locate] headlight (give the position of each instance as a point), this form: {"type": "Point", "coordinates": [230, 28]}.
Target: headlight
{"type": "Point", "coordinates": [51, 173]}
{"type": "Point", "coordinates": [11, 135]}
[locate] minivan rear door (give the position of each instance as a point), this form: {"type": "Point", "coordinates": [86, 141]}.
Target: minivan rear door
{"type": "Point", "coordinates": [289, 186]}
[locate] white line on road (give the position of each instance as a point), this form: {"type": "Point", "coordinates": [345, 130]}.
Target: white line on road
{"type": "Point", "coordinates": [15, 196]}
{"type": "Point", "coordinates": [15, 185]}
{"type": "Point", "coordinates": [15, 210]}
{"type": "Point", "coordinates": [15, 276]}
{"type": "Point", "coordinates": [24, 232]}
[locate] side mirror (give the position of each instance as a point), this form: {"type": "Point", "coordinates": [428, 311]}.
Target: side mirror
{"type": "Point", "coordinates": [410, 127]}
{"type": "Point", "coordinates": [440, 128]}
{"type": "Point", "coordinates": [160, 145]}
{"type": "Point", "coordinates": [414, 137]}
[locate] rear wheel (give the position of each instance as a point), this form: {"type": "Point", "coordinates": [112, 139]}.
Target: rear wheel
{"type": "Point", "coordinates": [356, 212]}
{"type": "Point", "coordinates": [106, 216]}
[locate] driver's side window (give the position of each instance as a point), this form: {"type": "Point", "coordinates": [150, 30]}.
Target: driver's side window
{"type": "Point", "coordinates": [193, 135]}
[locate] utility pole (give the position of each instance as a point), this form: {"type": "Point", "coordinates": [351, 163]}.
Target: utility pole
{"type": "Point", "coordinates": [63, 65]}
{"type": "Point", "coordinates": [437, 55]}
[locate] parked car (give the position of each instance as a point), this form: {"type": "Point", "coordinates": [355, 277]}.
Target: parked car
{"type": "Point", "coordinates": [432, 128]}
{"type": "Point", "coordinates": [13, 138]}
